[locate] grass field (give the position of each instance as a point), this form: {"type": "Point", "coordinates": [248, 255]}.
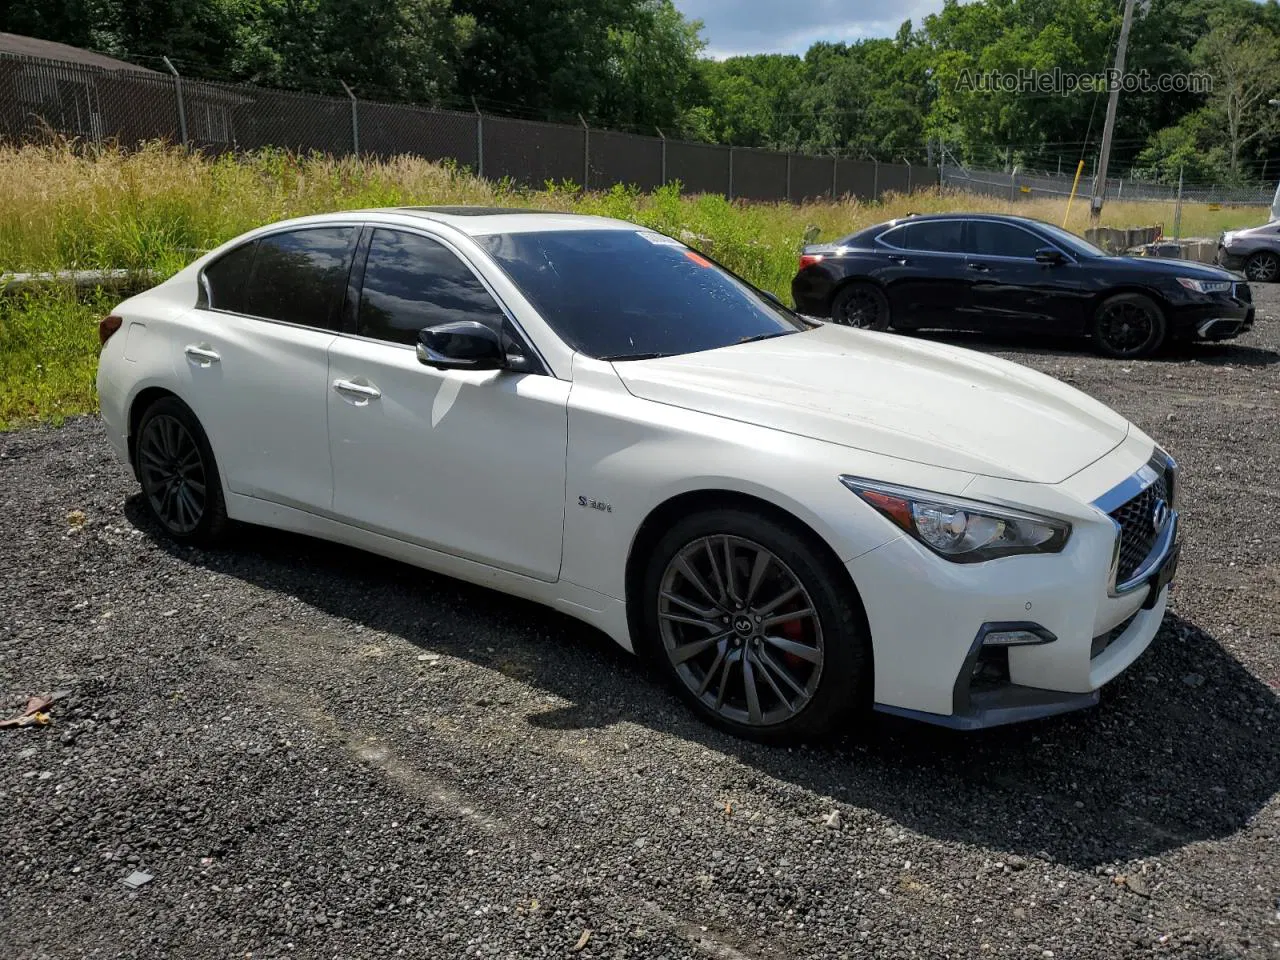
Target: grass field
{"type": "Point", "coordinates": [156, 208]}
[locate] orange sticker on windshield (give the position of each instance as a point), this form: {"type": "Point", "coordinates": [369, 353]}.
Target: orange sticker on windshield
{"type": "Point", "coordinates": [700, 261]}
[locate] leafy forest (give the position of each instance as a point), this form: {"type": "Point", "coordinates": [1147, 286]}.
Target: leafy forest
{"type": "Point", "coordinates": [640, 65]}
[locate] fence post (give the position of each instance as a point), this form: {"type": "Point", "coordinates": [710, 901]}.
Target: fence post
{"type": "Point", "coordinates": [586, 154]}
{"type": "Point", "coordinates": [355, 121]}
{"type": "Point", "coordinates": [835, 165]}
{"type": "Point", "coordinates": [664, 155]}
{"type": "Point", "coordinates": [908, 163]}
{"type": "Point", "coordinates": [479, 138]}
{"type": "Point", "coordinates": [788, 176]}
{"type": "Point", "coordinates": [182, 109]}
{"type": "Point", "coordinates": [1177, 210]}
{"type": "Point", "coordinates": [875, 179]}
{"type": "Point", "coordinates": [731, 173]}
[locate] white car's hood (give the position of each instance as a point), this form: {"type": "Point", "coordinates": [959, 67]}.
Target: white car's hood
{"type": "Point", "coordinates": [895, 396]}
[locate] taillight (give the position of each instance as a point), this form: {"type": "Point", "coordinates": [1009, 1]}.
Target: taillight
{"type": "Point", "coordinates": [809, 259]}
{"type": "Point", "coordinates": [107, 326]}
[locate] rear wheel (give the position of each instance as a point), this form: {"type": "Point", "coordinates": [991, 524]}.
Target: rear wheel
{"type": "Point", "coordinates": [178, 473]}
{"type": "Point", "coordinates": [1128, 325]}
{"type": "Point", "coordinates": [1262, 267]}
{"type": "Point", "coordinates": [861, 305]}
{"type": "Point", "coordinates": [756, 627]}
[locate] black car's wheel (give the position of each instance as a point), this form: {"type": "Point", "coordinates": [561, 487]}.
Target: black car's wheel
{"type": "Point", "coordinates": [178, 473]}
{"type": "Point", "coordinates": [1262, 267]}
{"type": "Point", "coordinates": [861, 305]}
{"type": "Point", "coordinates": [1128, 325]}
{"type": "Point", "coordinates": [756, 626]}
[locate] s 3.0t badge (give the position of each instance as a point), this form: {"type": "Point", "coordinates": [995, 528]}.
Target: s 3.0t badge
{"type": "Point", "coordinates": [595, 504]}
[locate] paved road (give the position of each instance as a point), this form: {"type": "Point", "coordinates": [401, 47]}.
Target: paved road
{"type": "Point", "coordinates": [319, 753]}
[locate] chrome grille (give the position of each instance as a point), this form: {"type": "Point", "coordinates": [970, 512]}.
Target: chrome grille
{"type": "Point", "coordinates": [1138, 534]}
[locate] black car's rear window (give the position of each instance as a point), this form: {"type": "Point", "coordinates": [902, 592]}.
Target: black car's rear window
{"type": "Point", "coordinates": [632, 293]}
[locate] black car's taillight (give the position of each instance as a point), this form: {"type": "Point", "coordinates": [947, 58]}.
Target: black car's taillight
{"type": "Point", "coordinates": [809, 259]}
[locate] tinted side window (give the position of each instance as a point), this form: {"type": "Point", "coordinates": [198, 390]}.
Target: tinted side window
{"type": "Point", "coordinates": [942, 236]}
{"type": "Point", "coordinates": [225, 279]}
{"type": "Point", "coordinates": [411, 282]}
{"type": "Point", "coordinates": [299, 276]}
{"type": "Point", "coordinates": [992, 239]}
{"type": "Point", "coordinates": [897, 237]}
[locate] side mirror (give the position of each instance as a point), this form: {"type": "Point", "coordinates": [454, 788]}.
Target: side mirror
{"type": "Point", "coordinates": [461, 345]}
{"type": "Point", "coordinates": [1050, 255]}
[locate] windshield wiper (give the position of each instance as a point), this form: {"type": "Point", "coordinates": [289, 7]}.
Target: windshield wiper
{"type": "Point", "coordinates": [767, 336]}
{"type": "Point", "coordinates": [633, 356]}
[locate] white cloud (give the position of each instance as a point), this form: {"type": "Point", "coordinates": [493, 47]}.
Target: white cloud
{"type": "Point", "coordinates": [735, 27]}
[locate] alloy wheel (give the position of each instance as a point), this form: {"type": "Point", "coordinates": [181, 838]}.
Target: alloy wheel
{"type": "Point", "coordinates": [1262, 269]}
{"type": "Point", "coordinates": [172, 473]}
{"type": "Point", "coordinates": [740, 630]}
{"type": "Point", "coordinates": [1126, 327]}
{"type": "Point", "coordinates": [861, 310]}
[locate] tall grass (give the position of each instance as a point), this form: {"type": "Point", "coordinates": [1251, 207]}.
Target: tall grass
{"type": "Point", "coordinates": [71, 207]}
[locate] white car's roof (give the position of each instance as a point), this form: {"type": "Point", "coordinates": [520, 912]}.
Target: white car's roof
{"type": "Point", "coordinates": [483, 221]}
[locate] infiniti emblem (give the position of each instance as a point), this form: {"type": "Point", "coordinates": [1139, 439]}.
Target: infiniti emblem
{"type": "Point", "coordinates": [1159, 515]}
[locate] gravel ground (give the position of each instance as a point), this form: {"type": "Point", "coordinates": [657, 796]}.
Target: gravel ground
{"type": "Point", "coordinates": [315, 752]}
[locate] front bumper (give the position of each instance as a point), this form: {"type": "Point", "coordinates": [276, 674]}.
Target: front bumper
{"type": "Point", "coordinates": [1229, 260]}
{"type": "Point", "coordinates": [932, 661]}
{"type": "Point", "coordinates": [1216, 317]}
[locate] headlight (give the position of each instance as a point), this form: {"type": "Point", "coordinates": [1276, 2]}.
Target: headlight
{"type": "Point", "coordinates": [962, 531]}
{"type": "Point", "coordinates": [1205, 286]}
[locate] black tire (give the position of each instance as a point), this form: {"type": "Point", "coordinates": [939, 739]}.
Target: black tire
{"type": "Point", "coordinates": [861, 305]}
{"type": "Point", "coordinates": [179, 475]}
{"type": "Point", "coordinates": [1262, 267]}
{"type": "Point", "coordinates": [1128, 325]}
{"type": "Point", "coordinates": [824, 693]}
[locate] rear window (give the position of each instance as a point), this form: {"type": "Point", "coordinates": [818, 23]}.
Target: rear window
{"type": "Point", "coordinates": [225, 279]}
{"type": "Point", "coordinates": [626, 294]}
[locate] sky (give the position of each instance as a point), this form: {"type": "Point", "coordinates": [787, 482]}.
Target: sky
{"type": "Point", "coordinates": [790, 26]}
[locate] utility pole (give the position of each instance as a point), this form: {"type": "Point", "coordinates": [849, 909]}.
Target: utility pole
{"type": "Point", "coordinates": [1100, 181]}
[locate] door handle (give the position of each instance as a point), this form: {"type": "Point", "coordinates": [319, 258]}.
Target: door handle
{"type": "Point", "coordinates": [362, 390]}
{"type": "Point", "coordinates": [980, 267]}
{"type": "Point", "coordinates": [202, 355]}
{"type": "Point", "coordinates": [897, 258]}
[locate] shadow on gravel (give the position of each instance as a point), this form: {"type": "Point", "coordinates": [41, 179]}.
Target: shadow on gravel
{"type": "Point", "coordinates": [1211, 354]}
{"type": "Point", "coordinates": [1182, 748]}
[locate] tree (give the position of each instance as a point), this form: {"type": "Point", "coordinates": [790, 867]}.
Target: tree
{"type": "Point", "coordinates": [1187, 149]}
{"type": "Point", "coordinates": [1244, 61]}
{"type": "Point", "coordinates": [751, 101]}
{"type": "Point", "coordinates": [653, 76]}
{"type": "Point", "coordinates": [396, 49]}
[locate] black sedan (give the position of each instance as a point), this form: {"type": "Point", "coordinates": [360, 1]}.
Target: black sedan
{"type": "Point", "coordinates": [1011, 274]}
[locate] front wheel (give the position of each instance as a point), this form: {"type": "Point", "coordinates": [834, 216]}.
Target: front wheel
{"type": "Point", "coordinates": [1128, 325]}
{"type": "Point", "coordinates": [861, 305]}
{"type": "Point", "coordinates": [1262, 267]}
{"type": "Point", "coordinates": [755, 626]}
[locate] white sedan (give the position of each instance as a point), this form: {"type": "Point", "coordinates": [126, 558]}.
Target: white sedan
{"type": "Point", "coordinates": [794, 519]}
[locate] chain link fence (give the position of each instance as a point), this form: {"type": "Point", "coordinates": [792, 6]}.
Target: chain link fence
{"type": "Point", "coordinates": [1021, 185]}
{"type": "Point", "coordinates": [130, 106]}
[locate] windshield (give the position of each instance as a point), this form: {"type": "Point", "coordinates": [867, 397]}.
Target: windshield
{"type": "Point", "coordinates": [634, 294]}
{"type": "Point", "coordinates": [1064, 238]}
